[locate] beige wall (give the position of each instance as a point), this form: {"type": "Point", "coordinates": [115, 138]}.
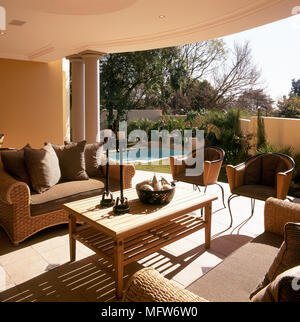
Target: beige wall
{"type": "Point", "coordinates": [280, 132]}
{"type": "Point", "coordinates": [152, 115]}
{"type": "Point", "coordinates": [32, 103]}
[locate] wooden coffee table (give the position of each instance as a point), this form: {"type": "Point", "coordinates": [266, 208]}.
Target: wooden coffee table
{"type": "Point", "coordinates": [122, 239]}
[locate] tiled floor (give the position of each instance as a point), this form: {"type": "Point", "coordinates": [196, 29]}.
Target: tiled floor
{"type": "Point", "coordinates": [39, 269]}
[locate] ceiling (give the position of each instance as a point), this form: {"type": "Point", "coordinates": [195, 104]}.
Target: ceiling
{"type": "Point", "coordinates": [47, 30]}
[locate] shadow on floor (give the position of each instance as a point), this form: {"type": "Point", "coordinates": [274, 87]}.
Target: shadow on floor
{"type": "Point", "coordinates": [91, 279]}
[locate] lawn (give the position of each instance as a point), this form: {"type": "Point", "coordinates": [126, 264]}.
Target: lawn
{"type": "Point", "coordinates": [153, 167]}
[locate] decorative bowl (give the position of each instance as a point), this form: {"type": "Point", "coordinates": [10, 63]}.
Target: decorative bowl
{"type": "Point", "coordinates": [158, 197]}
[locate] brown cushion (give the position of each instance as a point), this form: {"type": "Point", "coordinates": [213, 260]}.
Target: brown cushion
{"type": "Point", "coordinates": [211, 154]}
{"type": "Point", "coordinates": [94, 158]}
{"type": "Point", "coordinates": [269, 166]}
{"type": "Point", "coordinates": [287, 257]}
{"type": "Point", "coordinates": [72, 161]}
{"type": "Point", "coordinates": [198, 180]}
{"type": "Point", "coordinates": [285, 288]}
{"type": "Point", "coordinates": [14, 164]}
{"type": "Point", "coordinates": [43, 167]}
{"type": "Point", "coordinates": [253, 172]}
{"type": "Point", "coordinates": [255, 191]}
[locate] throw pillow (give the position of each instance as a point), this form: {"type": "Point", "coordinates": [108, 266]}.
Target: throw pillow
{"type": "Point", "coordinates": [94, 158]}
{"type": "Point", "coordinates": [43, 167]}
{"type": "Point", "coordinates": [72, 161]}
{"type": "Point", "coordinates": [287, 257]}
{"type": "Point", "coordinates": [14, 164]}
{"type": "Point", "coordinates": [285, 288]}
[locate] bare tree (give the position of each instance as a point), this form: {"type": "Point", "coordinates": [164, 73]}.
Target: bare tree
{"type": "Point", "coordinates": [200, 60]}
{"type": "Point", "coordinates": [234, 77]}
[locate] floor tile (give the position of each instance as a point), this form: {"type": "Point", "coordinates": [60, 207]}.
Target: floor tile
{"type": "Point", "coordinates": [39, 269]}
{"type": "Point", "coordinates": [25, 269]}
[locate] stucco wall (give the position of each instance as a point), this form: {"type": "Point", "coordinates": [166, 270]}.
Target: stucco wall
{"type": "Point", "coordinates": [152, 115]}
{"type": "Point", "coordinates": [280, 132]}
{"type": "Point", "coordinates": [32, 103]}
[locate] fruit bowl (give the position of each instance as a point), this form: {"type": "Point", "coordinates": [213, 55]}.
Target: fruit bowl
{"type": "Point", "coordinates": [155, 197]}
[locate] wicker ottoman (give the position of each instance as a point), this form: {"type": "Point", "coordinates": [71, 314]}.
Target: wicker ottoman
{"type": "Point", "coordinates": [148, 285]}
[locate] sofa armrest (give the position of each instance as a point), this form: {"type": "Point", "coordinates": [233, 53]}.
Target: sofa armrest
{"type": "Point", "coordinates": [235, 175]}
{"type": "Point", "coordinates": [128, 173]}
{"type": "Point", "coordinates": [278, 212]}
{"type": "Point", "coordinates": [11, 190]}
{"type": "Point", "coordinates": [148, 285]}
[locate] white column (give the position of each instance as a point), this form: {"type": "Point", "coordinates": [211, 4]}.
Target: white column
{"type": "Point", "coordinates": [78, 101]}
{"type": "Point", "coordinates": [92, 96]}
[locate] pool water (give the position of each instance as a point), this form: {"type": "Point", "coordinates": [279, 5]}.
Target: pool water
{"type": "Point", "coordinates": [145, 155]}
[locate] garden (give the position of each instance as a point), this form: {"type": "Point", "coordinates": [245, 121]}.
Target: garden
{"type": "Point", "coordinates": [222, 129]}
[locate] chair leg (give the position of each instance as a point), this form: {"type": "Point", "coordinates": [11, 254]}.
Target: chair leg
{"type": "Point", "coordinates": [222, 194]}
{"type": "Point", "coordinates": [252, 207]}
{"type": "Point", "coordinates": [197, 187]}
{"type": "Point", "coordinates": [228, 203]}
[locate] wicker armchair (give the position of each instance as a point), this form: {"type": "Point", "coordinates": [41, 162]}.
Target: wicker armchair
{"type": "Point", "coordinates": [213, 159]}
{"type": "Point", "coordinates": [260, 177]}
{"type": "Point", "coordinates": [15, 201]}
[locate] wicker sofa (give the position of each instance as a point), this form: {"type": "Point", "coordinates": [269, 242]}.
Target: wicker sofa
{"type": "Point", "coordinates": [24, 213]}
{"type": "Point", "coordinates": [235, 278]}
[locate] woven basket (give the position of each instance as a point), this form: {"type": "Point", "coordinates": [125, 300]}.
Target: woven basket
{"type": "Point", "coordinates": [155, 197]}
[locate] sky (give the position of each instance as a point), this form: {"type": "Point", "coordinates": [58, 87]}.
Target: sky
{"type": "Point", "coordinates": [276, 51]}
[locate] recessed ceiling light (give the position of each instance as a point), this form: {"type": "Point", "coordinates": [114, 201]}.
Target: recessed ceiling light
{"type": "Point", "coordinates": [161, 16]}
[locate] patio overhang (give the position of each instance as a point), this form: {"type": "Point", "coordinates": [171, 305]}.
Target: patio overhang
{"type": "Point", "coordinates": [55, 29]}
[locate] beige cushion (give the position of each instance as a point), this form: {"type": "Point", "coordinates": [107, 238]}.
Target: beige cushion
{"type": "Point", "coordinates": [14, 164]}
{"type": "Point", "coordinates": [239, 273]}
{"type": "Point", "coordinates": [61, 193]}
{"type": "Point", "coordinates": [72, 161]}
{"type": "Point", "coordinates": [285, 288]}
{"type": "Point", "coordinates": [43, 167]}
{"type": "Point", "coordinates": [66, 189]}
{"type": "Point", "coordinates": [287, 257]}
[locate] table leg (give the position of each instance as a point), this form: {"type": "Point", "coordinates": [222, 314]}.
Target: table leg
{"type": "Point", "coordinates": [72, 241]}
{"type": "Point", "coordinates": [207, 225]}
{"type": "Point", "coordinates": [119, 267]}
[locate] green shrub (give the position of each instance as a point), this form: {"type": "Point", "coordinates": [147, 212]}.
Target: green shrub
{"type": "Point", "coordinates": [141, 124]}
{"type": "Point", "coordinates": [267, 147]}
{"type": "Point", "coordinates": [261, 133]}
{"type": "Point", "coordinates": [228, 136]}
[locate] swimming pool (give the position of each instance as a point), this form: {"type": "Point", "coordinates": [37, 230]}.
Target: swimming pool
{"type": "Point", "coordinates": [145, 155]}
